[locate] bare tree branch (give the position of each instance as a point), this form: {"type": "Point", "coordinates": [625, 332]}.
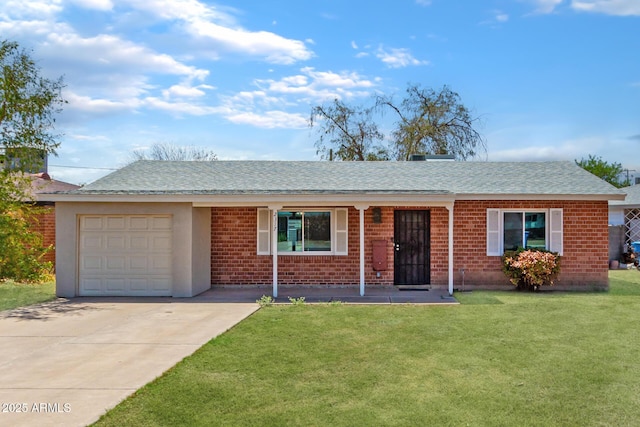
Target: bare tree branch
{"type": "Point", "coordinates": [165, 151]}
{"type": "Point", "coordinates": [351, 132]}
{"type": "Point", "coordinates": [431, 122]}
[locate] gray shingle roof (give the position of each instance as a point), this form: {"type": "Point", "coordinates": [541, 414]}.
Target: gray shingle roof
{"type": "Point", "coordinates": [309, 177]}
{"type": "Point", "coordinates": [633, 196]}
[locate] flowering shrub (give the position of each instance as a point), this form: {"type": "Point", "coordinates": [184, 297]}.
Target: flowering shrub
{"type": "Point", "coordinates": [531, 268]}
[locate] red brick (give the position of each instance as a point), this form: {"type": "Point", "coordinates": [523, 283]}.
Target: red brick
{"type": "Point", "coordinates": [584, 264]}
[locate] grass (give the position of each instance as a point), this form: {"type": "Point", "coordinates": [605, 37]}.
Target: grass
{"type": "Point", "coordinates": [14, 294]}
{"type": "Point", "coordinates": [499, 358]}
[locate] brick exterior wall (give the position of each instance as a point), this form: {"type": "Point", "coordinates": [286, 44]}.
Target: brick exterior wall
{"type": "Point", "coordinates": [45, 224]}
{"type": "Point", "coordinates": [234, 260]}
{"type": "Point", "coordinates": [586, 246]}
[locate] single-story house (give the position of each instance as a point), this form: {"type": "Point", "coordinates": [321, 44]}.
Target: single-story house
{"type": "Point", "coordinates": [180, 228]}
{"type": "Point", "coordinates": [626, 214]}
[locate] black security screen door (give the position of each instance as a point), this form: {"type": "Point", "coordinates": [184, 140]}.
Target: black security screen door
{"type": "Point", "coordinates": [411, 248]}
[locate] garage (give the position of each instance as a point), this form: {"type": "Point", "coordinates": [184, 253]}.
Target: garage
{"type": "Point", "coordinates": [125, 255]}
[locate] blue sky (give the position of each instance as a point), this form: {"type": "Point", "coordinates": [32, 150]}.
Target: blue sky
{"type": "Point", "coordinates": [550, 79]}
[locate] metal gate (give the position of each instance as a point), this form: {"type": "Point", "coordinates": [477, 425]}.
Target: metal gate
{"type": "Point", "coordinates": [412, 247]}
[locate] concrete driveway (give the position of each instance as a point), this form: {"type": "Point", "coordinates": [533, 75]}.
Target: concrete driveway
{"type": "Point", "coordinates": [68, 361]}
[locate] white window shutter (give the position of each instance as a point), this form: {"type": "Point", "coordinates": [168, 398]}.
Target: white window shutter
{"type": "Point", "coordinates": [264, 232]}
{"type": "Point", "coordinates": [555, 230]}
{"type": "Point", "coordinates": [493, 232]}
{"type": "Point", "coordinates": [342, 232]}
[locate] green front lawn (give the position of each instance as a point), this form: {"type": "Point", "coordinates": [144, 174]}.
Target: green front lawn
{"type": "Point", "coordinates": [14, 295]}
{"type": "Point", "coordinates": [500, 358]}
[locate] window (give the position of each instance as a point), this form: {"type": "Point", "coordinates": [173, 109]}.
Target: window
{"type": "Point", "coordinates": [524, 230]}
{"type": "Point", "coordinates": [304, 232]}
{"type": "Point", "coordinates": [509, 230]}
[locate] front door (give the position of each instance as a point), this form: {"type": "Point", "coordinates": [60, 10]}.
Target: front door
{"type": "Point", "coordinates": [411, 248]}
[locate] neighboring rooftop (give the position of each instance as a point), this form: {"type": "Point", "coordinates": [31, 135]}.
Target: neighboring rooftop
{"type": "Point", "coordinates": [309, 177]}
{"type": "Point", "coordinates": [42, 183]}
{"type": "Point", "coordinates": [633, 196]}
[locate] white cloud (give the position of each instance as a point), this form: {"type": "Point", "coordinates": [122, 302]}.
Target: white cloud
{"type": "Point", "coordinates": [108, 74]}
{"type": "Point", "coordinates": [499, 17]}
{"type": "Point", "coordinates": [35, 9]}
{"type": "Point", "coordinates": [398, 57]}
{"type": "Point", "coordinates": [270, 119]}
{"type": "Point", "coordinates": [103, 5]}
{"type": "Point", "coordinates": [111, 52]}
{"type": "Point", "coordinates": [265, 107]}
{"type": "Point", "coordinates": [180, 108]}
{"type": "Point", "coordinates": [185, 90]}
{"type": "Point", "coordinates": [346, 80]}
{"type": "Point", "coordinates": [318, 86]}
{"type": "Point", "coordinates": [81, 137]}
{"type": "Point", "coordinates": [610, 148]}
{"type": "Point", "coordinates": [81, 176]}
{"type": "Point", "coordinates": [537, 153]}
{"type": "Point", "coordinates": [111, 75]}
{"type": "Point", "coordinates": [81, 104]}
{"type": "Point", "coordinates": [219, 31]}
{"type": "Point", "coordinates": [186, 10]}
{"type": "Point", "coordinates": [31, 32]}
{"type": "Point", "coordinates": [182, 91]}
{"type": "Point", "coordinates": [546, 6]}
{"type": "Point", "coordinates": [272, 47]}
{"type": "Point", "coordinates": [609, 7]}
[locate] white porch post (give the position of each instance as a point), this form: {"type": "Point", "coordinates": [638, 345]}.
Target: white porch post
{"type": "Point", "coordinates": [450, 209]}
{"type": "Point", "coordinates": [274, 246]}
{"type": "Point", "coordinates": [361, 209]}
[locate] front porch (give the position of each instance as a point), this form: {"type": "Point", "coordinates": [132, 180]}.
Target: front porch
{"type": "Point", "coordinates": [270, 246]}
{"type": "Point", "coordinates": [348, 295]}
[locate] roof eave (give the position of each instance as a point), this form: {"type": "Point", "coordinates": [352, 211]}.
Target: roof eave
{"type": "Point", "coordinates": [204, 200]}
{"type": "Point", "coordinates": [315, 199]}
{"type": "Point", "coordinates": [517, 196]}
{"type": "Point", "coordinates": [624, 205]}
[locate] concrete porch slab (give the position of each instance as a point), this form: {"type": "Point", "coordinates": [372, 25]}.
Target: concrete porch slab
{"type": "Point", "coordinates": [349, 295]}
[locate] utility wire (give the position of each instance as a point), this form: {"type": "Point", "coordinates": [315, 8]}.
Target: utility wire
{"type": "Point", "coordinates": [83, 167]}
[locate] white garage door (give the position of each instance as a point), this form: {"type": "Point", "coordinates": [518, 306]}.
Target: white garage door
{"type": "Point", "coordinates": [123, 255]}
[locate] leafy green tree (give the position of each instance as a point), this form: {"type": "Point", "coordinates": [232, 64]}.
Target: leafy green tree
{"type": "Point", "coordinates": [351, 132]}
{"type": "Point", "coordinates": [28, 105]}
{"type": "Point", "coordinates": [429, 122]}
{"type": "Point", "coordinates": [610, 172]}
{"type": "Point", "coordinates": [21, 249]}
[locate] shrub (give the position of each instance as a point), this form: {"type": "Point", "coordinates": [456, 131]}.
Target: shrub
{"type": "Point", "coordinates": [529, 269]}
{"type": "Point", "coordinates": [265, 301]}
{"type": "Point", "coordinates": [21, 249]}
{"type": "Point", "coordinates": [296, 301]}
